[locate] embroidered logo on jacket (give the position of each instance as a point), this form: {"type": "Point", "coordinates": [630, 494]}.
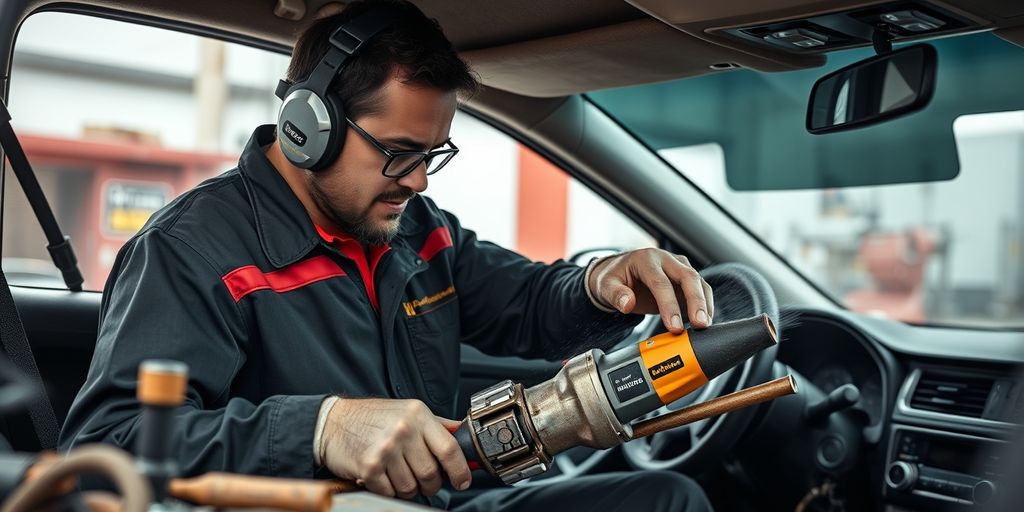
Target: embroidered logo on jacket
{"type": "Point", "coordinates": [428, 303]}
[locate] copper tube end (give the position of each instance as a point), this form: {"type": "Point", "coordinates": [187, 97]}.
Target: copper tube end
{"type": "Point", "coordinates": [716, 406]}
{"type": "Point", "coordinates": [162, 382]}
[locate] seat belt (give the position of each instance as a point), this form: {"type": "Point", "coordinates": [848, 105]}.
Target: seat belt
{"type": "Point", "coordinates": [15, 344]}
{"type": "Point", "coordinates": [59, 244]}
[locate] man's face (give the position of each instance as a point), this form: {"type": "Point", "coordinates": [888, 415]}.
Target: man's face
{"type": "Point", "coordinates": [352, 192]}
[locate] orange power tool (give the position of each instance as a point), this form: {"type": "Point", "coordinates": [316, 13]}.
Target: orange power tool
{"type": "Point", "coordinates": [514, 433]}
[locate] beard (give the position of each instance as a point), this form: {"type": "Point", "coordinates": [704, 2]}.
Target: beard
{"type": "Point", "coordinates": [359, 225]}
{"type": "Point", "coordinates": [369, 235]}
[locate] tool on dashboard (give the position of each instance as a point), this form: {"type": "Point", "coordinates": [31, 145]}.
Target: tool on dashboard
{"type": "Point", "coordinates": [161, 389]}
{"type": "Point", "coordinates": [514, 433]}
{"type": "Point", "coordinates": [148, 482]}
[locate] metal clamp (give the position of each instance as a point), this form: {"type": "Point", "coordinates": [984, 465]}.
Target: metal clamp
{"type": "Point", "coordinates": [503, 434]}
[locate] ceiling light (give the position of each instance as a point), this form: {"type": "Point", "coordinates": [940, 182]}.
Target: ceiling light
{"type": "Point", "coordinates": [799, 37]}
{"type": "Point", "coordinates": [912, 21]}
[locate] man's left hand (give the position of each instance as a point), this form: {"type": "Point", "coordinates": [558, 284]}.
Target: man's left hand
{"type": "Point", "coordinates": [648, 281]}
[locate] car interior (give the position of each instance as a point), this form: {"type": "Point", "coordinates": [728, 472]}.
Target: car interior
{"type": "Point", "coordinates": [915, 405]}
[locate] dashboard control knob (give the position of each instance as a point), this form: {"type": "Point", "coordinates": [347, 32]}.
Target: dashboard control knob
{"type": "Point", "coordinates": [832, 452]}
{"type": "Point", "coordinates": [983, 492]}
{"type": "Point", "coordinates": [900, 476]}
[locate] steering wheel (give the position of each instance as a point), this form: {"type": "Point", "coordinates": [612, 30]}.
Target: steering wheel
{"type": "Point", "coordinates": [740, 292]}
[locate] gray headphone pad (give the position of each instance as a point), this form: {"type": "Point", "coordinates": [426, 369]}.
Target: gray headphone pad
{"type": "Point", "coordinates": [310, 130]}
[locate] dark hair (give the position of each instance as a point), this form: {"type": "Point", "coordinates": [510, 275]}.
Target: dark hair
{"type": "Point", "coordinates": [414, 45]}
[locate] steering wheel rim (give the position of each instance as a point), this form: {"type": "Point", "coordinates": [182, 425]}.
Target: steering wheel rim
{"type": "Point", "coordinates": [740, 292]}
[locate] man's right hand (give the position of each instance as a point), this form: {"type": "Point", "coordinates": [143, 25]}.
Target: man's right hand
{"type": "Point", "coordinates": [392, 447]}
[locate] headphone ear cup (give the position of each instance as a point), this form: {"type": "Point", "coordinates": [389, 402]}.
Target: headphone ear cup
{"type": "Point", "coordinates": [311, 127]}
{"type": "Point", "coordinates": [336, 137]}
{"type": "Point", "coordinates": [304, 128]}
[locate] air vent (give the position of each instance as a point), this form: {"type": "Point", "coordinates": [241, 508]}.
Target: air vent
{"type": "Point", "coordinates": [951, 393]}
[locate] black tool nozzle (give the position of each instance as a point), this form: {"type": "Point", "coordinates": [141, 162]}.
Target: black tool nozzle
{"type": "Point", "coordinates": [723, 346]}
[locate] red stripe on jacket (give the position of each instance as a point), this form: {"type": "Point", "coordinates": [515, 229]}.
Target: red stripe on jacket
{"type": "Point", "coordinates": [244, 280]}
{"type": "Point", "coordinates": [351, 248]}
{"type": "Point", "coordinates": [438, 240]}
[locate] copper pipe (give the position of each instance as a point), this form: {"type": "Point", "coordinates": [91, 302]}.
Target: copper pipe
{"type": "Point", "coordinates": [340, 486]}
{"type": "Point", "coordinates": [106, 460]}
{"type": "Point", "coordinates": [44, 463]}
{"type": "Point", "coordinates": [212, 489]}
{"type": "Point", "coordinates": [227, 490]}
{"type": "Point", "coordinates": [102, 501]}
{"type": "Point", "coordinates": [743, 398]}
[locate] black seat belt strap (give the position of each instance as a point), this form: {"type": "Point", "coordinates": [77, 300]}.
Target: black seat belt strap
{"type": "Point", "coordinates": [59, 245]}
{"type": "Point", "coordinates": [15, 344]}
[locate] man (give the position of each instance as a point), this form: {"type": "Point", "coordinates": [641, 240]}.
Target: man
{"type": "Point", "coordinates": [321, 311]}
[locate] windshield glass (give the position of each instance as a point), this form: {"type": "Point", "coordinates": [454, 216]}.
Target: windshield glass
{"type": "Point", "coordinates": [944, 252]}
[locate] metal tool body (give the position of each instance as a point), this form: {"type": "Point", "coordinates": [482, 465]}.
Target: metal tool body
{"type": "Point", "coordinates": [514, 433]}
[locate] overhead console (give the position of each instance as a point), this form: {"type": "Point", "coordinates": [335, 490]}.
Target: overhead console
{"type": "Point", "coordinates": [793, 34]}
{"type": "Point", "coordinates": [833, 31]}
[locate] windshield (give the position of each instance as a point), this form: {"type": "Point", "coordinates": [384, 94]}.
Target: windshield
{"type": "Point", "coordinates": [944, 252]}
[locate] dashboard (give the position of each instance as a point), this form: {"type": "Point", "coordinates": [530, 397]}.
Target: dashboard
{"type": "Point", "coordinates": [831, 353]}
{"type": "Point", "coordinates": [936, 405]}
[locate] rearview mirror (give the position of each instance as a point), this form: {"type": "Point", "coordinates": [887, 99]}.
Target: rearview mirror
{"type": "Point", "coordinates": [873, 90]}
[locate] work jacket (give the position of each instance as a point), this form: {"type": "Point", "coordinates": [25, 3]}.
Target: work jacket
{"type": "Point", "coordinates": [272, 315]}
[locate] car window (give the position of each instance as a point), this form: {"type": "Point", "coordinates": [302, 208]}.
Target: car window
{"type": "Point", "coordinates": [946, 252]}
{"type": "Point", "coordinates": [516, 198]}
{"type": "Point", "coordinates": [115, 131]}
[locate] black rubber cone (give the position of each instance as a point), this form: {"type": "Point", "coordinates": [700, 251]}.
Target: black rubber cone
{"type": "Point", "coordinates": [723, 346]}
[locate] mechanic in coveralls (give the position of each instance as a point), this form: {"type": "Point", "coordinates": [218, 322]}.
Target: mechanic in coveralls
{"type": "Point", "coordinates": [320, 312]}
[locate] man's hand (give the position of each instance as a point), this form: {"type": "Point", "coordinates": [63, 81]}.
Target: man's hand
{"type": "Point", "coordinates": [392, 447]}
{"type": "Point", "coordinates": [649, 281]}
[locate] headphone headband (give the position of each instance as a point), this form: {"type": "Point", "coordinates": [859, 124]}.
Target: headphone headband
{"type": "Point", "coordinates": [346, 41]}
{"type": "Point", "coordinates": [310, 112]}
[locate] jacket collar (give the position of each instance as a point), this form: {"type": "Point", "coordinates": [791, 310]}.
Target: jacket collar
{"type": "Point", "coordinates": [285, 230]}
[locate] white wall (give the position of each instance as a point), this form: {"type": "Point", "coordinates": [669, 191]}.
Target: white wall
{"type": "Point", "coordinates": [47, 103]}
{"type": "Point", "coordinates": [88, 39]}
{"type": "Point", "coordinates": [480, 185]}
{"type": "Point", "coordinates": [53, 103]}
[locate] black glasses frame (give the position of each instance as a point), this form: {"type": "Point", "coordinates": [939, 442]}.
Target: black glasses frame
{"type": "Point", "coordinates": [421, 156]}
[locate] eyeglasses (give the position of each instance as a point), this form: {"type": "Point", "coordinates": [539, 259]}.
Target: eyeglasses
{"type": "Point", "coordinates": [400, 163]}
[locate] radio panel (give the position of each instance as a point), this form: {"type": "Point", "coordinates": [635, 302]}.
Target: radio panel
{"type": "Point", "coordinates": [933, 465]}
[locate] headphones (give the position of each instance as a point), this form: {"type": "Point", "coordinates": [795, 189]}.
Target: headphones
{"type": "Point", "coordinates": [311, 123]}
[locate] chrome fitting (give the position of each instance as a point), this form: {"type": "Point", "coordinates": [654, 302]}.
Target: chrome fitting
{"type": "Point", "coordinates": [503, 434]}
